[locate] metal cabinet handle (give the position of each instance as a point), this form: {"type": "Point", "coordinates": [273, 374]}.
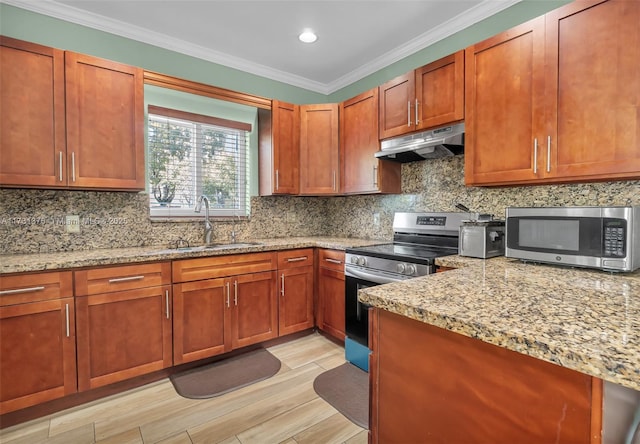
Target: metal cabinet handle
{"type": "Point", "coordinates": [66, 313]}
{"type": "Point", "coordinates": [297, 259]}
{"type": "Point", "coordinates": [21, 290]}
{"type": "Point", "coordinates": [535, 156]}
{"type": "Point", "coordinates": [375, 176]}
{"type": "Point", "coordinates": [417, 106]}
{"type": "Point", "coordinates": [548, 154]}
{"type": "Point", "coordinates": [73, 166]}
{"type": "Point", "coordinates": [166, 301]}
{"type": "Point", "coordinates": [126, 279]}
{"type": "Point", "coordinates": [277, 180]}
{"type": "Point", "coordinates": [409, 113]}
{"type": "Point", "coordinates": [334, 180]}
{"type": "Point", "coordinates": [235, 293]}
{"type": "Point", "coordinates": [333, 261]}
{"type": "Point", "coordinates": [60, 166]}
{"type": "Point", "coordinates": [228, 294]}
{"type": "Point", "coordinates": [282, 284]}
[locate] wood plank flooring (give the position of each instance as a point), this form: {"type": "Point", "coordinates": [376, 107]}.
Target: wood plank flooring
{"type": "Point", "coordinates": [282, 409]}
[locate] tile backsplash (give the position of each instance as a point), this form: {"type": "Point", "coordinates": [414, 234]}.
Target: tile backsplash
{"type": "Point", "coordinates": [33, 221]}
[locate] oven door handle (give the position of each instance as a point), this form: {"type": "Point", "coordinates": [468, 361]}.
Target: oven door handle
{"type": "Point", "coordinates": [371, 277]}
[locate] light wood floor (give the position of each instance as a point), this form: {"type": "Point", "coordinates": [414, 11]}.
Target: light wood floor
{"type": "Point", "coordinates": [281, 409]}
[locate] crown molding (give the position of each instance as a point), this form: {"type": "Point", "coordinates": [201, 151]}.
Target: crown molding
{"type": "Point", "coordinates": [116, 27]}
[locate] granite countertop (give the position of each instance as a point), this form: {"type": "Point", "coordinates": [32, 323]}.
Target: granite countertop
{"type": "Point", "coordinates": [585, 320]}
{"type": "Point", "coordinates": [18, 263]}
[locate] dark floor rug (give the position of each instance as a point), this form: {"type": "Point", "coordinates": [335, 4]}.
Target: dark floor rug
{"type": "Point", "coordinates": [346, 388]}
{"type": "Point", "coordinates": [226, 375]}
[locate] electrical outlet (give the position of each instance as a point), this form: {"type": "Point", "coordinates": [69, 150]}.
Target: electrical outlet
{"type": "Point", "coordinates": [376, 219]}
{"type": "Point", "coordinates": [72, 224]}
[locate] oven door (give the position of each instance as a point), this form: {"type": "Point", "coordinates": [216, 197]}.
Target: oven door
{"type": "Point", "coordinates": [356, 313]}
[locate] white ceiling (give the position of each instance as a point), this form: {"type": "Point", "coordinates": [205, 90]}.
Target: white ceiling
{"type": "Point", "coordinates": [355, 37]}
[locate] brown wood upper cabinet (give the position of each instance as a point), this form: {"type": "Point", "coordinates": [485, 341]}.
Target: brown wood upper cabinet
{"type": "Point", "coordinates": [362, 172]}
{"type": "Point", "coordinates": [427, 97]}
{"type": "Point", "coordinates": [319, 154]}
{"type": "Point", "coordinates": [556, 99]}
{"type": "Point", "coordinates": [69, 120]}
{"type": "Point", "coordinates": [279, 149]}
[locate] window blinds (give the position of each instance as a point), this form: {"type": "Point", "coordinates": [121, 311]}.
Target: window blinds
{"type": "Point", "coordinates": [191, 155]}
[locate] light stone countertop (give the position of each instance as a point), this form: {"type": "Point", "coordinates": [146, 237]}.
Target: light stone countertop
{"type": "Point", "coordinates": [18, 263]}
{"type": "Point", "coordinates": [585, 320]}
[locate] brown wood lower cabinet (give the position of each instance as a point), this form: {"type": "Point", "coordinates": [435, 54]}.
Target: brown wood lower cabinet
{"type": "Point", "coordinates": [123, 321]}
{"type": "Point", "coordinates": [432, 385]}
{"type": "Point", "coordinates": [331, 307]}
{"type": "Point", "coordinates": [37, 339]}
{"type": "Point", "coordinates": [217, 307]}
{"type": "Point", "coordinates": [295, 292]}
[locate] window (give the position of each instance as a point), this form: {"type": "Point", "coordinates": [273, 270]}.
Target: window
{"type": "Point", "coordinates": [192, 155]}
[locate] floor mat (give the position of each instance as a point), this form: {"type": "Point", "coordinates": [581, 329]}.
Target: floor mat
{"type": "Point", "coordinates": [226, 375]}
{"type": "Point", "coordinates": [346, 388]}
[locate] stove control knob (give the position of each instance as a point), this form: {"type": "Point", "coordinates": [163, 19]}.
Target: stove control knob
{"type": "Point", "coordinates": [411, 269]}
{"type": "Point", "coordinates": [354, 259]}
{"type": "Point", "coordinates": [362, 261]}
{"type": "Point", "coordinates": [400, 268]}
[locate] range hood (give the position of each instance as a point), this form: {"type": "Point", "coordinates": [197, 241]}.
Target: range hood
{"type": "Point", "coordinates": [439, 142]}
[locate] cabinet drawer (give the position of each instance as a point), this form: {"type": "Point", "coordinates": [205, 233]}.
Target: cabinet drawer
{"type": "Point", "coordinates": [128, 277]}
{"type": "Point", "coordinates": [331, 259]}
{"type": "Point", "coordinates": [32, 287]}
{"type": "Point", "coordinates": [295, 258]}
{"type": "Point", "coordinates": [221, 266]}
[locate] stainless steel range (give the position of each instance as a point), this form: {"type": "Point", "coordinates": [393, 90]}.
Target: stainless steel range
{"type": "Point", "coordinates": [418, 239]}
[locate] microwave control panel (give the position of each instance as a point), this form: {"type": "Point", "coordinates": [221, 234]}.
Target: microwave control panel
{"type": "Point", "coordinates": [614, 237]}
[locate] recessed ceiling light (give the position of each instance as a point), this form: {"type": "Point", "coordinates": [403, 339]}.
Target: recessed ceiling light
{"type": "Point", "coordinates": [308, 36]}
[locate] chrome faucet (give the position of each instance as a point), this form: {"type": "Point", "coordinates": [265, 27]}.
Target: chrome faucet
{"type": "Point", "coordinates": [208, 228]}
{"type": "Point", "coordinates": [235, 219]}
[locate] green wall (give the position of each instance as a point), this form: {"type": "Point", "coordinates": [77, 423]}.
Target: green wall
{"type": "Point", "coordinates": [26, 25]}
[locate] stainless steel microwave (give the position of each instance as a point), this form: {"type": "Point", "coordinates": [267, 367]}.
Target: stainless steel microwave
{"type": "Point", "coordinates": [606, 238]}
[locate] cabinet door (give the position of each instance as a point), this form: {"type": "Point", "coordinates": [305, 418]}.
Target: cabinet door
{"type": "Point", "coordinates": [201, 319]}
{"type": "Point", "coordinates": [319, 155]}
{"type": "Point", "coordinates": [122, 335]}
{"type": "Point", "coordinates": [362, 172]}
{"type": "Point", "coordinates": [105, 123]}
{"type": "Point", "coordinates": [38, 353]}
{"type": "Point", "coordinates": [397, 106]}
{"type": "Point", "coordinates": [255, 308]}
{"type": "Point", "coordinates": [295, 305]}
{"type": "Point", "coordinates": [286, 148]}
{"type": "Point", "coordinates": [440, 91]}
{"type": "Point", "coordinates": [504, 87]}
{"type": "Point", "coordinates": [593, 85]}
{"type": "Point", "coordinates": [32, 127]}
{"type": "Point", "coordinates": [331, 293]}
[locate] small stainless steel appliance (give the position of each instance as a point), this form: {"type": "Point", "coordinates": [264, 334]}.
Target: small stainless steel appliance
{"type": "Point", "coordinates": [605, 238]}
{"type": "Point", "coordinates": [418, 239]}
{"type": "Point", "coordinates": [481, 238]}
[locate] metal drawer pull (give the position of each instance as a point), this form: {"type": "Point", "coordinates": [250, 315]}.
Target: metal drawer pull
{"type": "Point", "coordinates": [73, 166]}
{"type": "Point", "coordinates": [166, 301]}
{"type": "Point", "coordinates": [333, 261]}
{"type": "Point", "coordinates": [21, 290]}
{"type": "Point", "coordinates": [66, 312]}
{"type": "Point", "coordinates": [228, 294]}
{"type": "Point", "coordinates": [282, 285]}
{"type": "Point", "coordinates": [535, 156]}
{"type": "Point", "coordinates": [60, 165]}
{"type": "Point", "coordinates": [235, 293]}
{"type": "Point", "coordinates": [548, 154]}
{"type": "Point", "coordinates": [125, 279]}
{"type": "Point", "coordinates": [297, 259]}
